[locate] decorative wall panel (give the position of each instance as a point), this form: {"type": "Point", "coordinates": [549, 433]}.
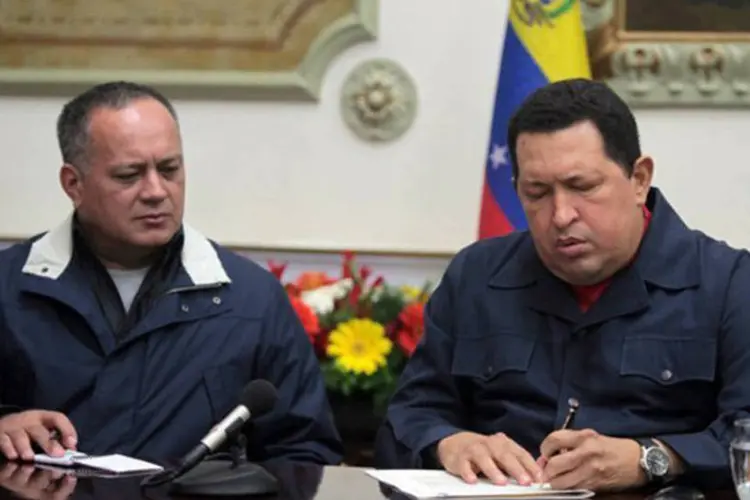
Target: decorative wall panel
{"type": "Point", "coordinates": [253, 48]}
{"type": "Point", "coordinates": [671, 52]}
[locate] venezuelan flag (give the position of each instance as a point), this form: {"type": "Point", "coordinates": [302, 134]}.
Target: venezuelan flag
{"type": "Point", "coordinates": [544, 42]}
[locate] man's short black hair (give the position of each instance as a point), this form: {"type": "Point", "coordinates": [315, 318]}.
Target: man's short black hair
{"type": "Point", "coordinates": [73, 122]}
{"type": "Point", "coordinates": [562, 104]}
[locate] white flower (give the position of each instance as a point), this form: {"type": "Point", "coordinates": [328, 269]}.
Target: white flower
{"type": "Point", "coordinates": [322, 299]}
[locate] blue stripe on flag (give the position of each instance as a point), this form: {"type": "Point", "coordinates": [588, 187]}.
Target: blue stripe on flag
{"type": "Point", "coordinates": [519, 77]}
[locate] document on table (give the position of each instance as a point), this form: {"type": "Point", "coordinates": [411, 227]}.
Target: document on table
{"type": "Point", "coordinates": [116, 463]}
{"type": "Point", "coordinates": [438, 483]}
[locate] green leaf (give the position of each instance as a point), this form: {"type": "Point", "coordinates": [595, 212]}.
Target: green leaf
{"type": "Point", "coordinates": [387, 306]}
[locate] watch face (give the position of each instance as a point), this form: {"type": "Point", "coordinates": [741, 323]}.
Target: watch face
{"type": "Point", "coordinates": [657, 461]}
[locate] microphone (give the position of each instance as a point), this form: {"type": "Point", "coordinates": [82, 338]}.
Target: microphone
{"type": "Point", "coordinates": [258, 398]}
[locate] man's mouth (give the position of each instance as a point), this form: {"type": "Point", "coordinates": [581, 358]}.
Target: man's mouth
{"type": "Point", "coordinates": [571, 247]}
{"type": "Point", "coordinates": [154, 218]}
{"type": "Point", "coordinates": [569, 242]}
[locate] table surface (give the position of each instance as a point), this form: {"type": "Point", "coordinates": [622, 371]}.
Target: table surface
{"type": "Point", "coordinates": [298, 482]}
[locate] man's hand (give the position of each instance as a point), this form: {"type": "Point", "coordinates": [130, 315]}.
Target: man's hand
{"type": "Point", "coordinates": [586, 459]}
{"type": "Point", "coordinates": [467, 454]}
{"type": "Point", "coordinates": [19, 430]}
{"type": "Point", "coordinates": [27, 482]}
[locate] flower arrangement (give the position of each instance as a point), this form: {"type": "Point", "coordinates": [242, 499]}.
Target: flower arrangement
{"type": "Point", "coordinates": [363, 330]}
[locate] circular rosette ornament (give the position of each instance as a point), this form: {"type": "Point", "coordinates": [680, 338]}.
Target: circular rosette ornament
{"type": "Point", "coordinates": [379, 100]}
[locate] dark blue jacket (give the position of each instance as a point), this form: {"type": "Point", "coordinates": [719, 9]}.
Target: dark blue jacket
{"type": "Point", "coordinates": [664, 353]}
{"type": "Point", "coordinates": [153, 386]}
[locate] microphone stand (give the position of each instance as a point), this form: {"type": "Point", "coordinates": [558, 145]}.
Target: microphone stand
{"type": "Point", "coordinates": [223, 474]}
{"type": "Point", "coordinates": [217, 476]}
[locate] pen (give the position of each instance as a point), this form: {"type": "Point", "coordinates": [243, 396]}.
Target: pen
{"type": "Point", "coordinates": [572, 409]}
{"type": "Point", "coordinates": [568, 423]}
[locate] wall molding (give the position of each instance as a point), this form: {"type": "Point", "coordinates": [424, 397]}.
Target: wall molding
{"type": "Point", "coordinates": [6, 241]}
{"type": "Point", "coordinates": [397, 269]}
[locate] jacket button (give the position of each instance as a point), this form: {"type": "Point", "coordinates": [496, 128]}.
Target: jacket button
{"type": "Point", "coordinates": [45, 270]}
{"type": "Point", "coordinates": [217, 300]}
{"type": "Point", "coordinates": [488, 371]}
{"type": "Point", "coordinates": [666, 375]}
{"type": "Point", "coordinates": [184, 308]}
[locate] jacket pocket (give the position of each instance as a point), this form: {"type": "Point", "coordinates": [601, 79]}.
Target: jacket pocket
{"type": "Point", "coordinates": [485, 358]}
{"type": "Point", "coordinates": [669, 361]}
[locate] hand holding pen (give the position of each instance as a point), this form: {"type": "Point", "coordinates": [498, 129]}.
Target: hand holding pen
{"type": "Point", "coordinates": [583, 458]}
{"type": "Point", "coordinates": [567, 424]}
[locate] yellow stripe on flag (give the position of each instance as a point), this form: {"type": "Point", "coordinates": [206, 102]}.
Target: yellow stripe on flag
{"type": "Point", "coordinates": [553, 34]}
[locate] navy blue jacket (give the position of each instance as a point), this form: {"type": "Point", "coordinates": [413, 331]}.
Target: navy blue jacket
{"type": "Point", "coordinates": [153, 387]}
{"type": "Point", "coordinates": [664, 353]}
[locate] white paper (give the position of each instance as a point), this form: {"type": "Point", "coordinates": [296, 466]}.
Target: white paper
{"type": "Point", "coordinates": [117, 463]}
{"type": "Point", "coordinates": [438, 483]}
{"type": "Point", "coordinates": [67, 460]}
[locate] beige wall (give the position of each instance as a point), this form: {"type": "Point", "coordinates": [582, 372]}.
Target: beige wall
{"type": "Point", "coordinates": [291, 173]}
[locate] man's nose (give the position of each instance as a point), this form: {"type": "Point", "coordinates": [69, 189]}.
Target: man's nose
{"type": "Point", "coordinates": [564, 211]}
{"type": "Point", "coordinates": [153, 187]}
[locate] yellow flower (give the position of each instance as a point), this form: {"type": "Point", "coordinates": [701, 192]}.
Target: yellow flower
{"type": "Point", "coordinates": [411, 292]}
{"type": "Point", "coordinates": [414, 294]}
{"type": "Point", "coordinates": [359, 346]}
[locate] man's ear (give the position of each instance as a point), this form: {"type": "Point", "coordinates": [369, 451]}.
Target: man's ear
{"type": "Point", "coordinates": [643, 173]}
{"type": "Point", "coordinates": [71, 180]}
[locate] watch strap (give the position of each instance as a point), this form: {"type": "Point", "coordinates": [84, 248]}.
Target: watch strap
{"type": "Point", "coordinates": [646, 442]}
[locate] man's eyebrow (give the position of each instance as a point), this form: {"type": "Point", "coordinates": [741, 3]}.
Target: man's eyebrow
{"type": "Point", "coordinates": [573, 178]}
{"type": "Point", "coordinates": [585, 178]}
{"type": "Point", "coordinates": [532, 183]}
{"type": "Point", "coordinates": [142, 164]}
{"type": "Point", "coordinates": [123, 166]}
{"type": "Point", "coordinates": [170, 159]}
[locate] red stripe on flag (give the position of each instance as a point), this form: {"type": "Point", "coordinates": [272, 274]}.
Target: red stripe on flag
{"type": "Point", "coordinates": [492, 220]}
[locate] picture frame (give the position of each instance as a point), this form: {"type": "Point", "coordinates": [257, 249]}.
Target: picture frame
{"type": "Point", "coordinates": [250, 49]}
{"type": "Point", "coordinates": [671, 53]}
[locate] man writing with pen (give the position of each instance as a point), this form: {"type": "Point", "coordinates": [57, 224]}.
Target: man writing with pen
{"type": "Point", "coordinates": [608, 305]}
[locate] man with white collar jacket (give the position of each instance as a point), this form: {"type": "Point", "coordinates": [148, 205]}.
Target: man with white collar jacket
{"type": "Point", "coordinates": [125, 330]}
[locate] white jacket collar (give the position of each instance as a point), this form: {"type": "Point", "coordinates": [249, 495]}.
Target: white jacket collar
{"type": "Point", "coordinates": [50, 255]}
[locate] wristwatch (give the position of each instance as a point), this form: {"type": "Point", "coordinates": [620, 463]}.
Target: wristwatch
{"type": "Point", "coordinates": [654, 460]}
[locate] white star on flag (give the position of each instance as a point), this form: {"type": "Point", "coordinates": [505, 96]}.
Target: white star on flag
{"type": "Point", "coordinates": [498, 156]}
